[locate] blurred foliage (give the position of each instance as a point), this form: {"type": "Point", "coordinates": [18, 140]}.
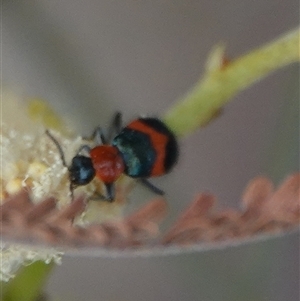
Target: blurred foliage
{"type": "Point", "coordinates": [28, 283]}
{"type": "Point", "coordinates": [224, 78]}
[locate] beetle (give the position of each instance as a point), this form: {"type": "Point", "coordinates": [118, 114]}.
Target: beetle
{"type": "Point", "coordinates": [144, 148]}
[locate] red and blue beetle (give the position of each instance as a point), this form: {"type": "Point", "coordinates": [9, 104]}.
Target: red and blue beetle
{"type": "Point", "coordinates": [144, 148]}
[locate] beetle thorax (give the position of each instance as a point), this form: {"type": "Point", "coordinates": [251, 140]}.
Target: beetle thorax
{"type": "Point", "coordinates": [107, 163]}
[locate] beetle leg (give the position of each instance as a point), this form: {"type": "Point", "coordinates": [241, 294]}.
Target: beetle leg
{"type": "Point", "coordinates": [115, 127]}
{"type": "Point", "coordinates": [152, 187]}
{"type": "Point", "coordinates": [117, 122]}
{"type": "Point", "coordinates": [84, 149]}
{"type": "Point", "coordinates": [110, 194]}
{"type": "Point", "coordinates": [72, 187]}
{"type": "Point", "coordinates": [98, 136]}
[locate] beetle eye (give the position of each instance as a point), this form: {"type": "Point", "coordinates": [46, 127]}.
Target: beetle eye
{"type": "Point", "coordinates": [81, 170]}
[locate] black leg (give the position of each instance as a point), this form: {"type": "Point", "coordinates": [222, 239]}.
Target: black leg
{"type": "Point", "coordinates": [99, 137]}
{"type": "Point", "coordinates": [72, 187]}
{"type": "Point", "coordinates": [85, 149]}
{"type": "Point", "coordinates": [115, 127]}
{"type": "Point", "coordinates": [110, 194]}
{"type": "Point", "coordinates": [118, 122]}
{"type": "Point", "coordinates": [152, 187]}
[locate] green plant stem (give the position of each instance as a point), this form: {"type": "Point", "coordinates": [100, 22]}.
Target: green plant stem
{"type": "Point", "coordinates": [217, 87]}
{"type": "Point", "coordinates": [28, 283]}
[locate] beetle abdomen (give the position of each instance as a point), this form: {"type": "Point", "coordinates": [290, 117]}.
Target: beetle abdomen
{"type": "Point", "coordinates": [148, 148]}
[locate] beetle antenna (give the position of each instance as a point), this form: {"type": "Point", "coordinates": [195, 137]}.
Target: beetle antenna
{"type": "Point", "coordinates": [59, 148]}
{"type": "Point", "coordinates": [62, 157]}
